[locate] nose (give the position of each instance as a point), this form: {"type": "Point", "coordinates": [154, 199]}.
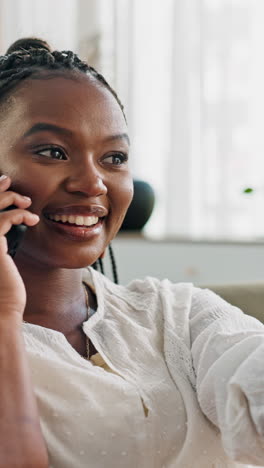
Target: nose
{"type": "Point", "coordinates": [86, 180]}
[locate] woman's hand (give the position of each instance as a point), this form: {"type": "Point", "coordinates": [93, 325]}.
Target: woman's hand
{"type": "Point", "coordinates": [12, 289]}
{"type": "Point", "coordinates": [22, 442]}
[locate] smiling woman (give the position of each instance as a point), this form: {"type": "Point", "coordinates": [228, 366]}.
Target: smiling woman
{"type": "Point", "coordinates": [68, 165]}
{"type": "Point", "coordinates": [90, 369]}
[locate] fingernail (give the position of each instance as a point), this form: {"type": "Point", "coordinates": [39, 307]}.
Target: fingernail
{"type": "Point", "coordinates": [24, 196]}
{"type": "Point", "coordinates": [3, 177]}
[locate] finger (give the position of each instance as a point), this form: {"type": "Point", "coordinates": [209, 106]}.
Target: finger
{"type": "Point", "coordinates": [3, 245]}
{"type": "Point", "coordinates": [12, 198]}
{"type": "Point", "coordinates": [8, 218]}
{"type": "Point", "coordinates": [5, 182]}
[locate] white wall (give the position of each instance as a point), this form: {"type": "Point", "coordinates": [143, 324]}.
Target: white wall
{"type": "Point", "coordinates": [197, 262]}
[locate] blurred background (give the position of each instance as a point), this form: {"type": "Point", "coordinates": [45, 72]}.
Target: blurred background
{"type": "Point", "coordinates": [190, 74]}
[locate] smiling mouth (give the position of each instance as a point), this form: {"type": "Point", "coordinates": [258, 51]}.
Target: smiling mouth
{"type": "Point", "coordinates": [75, 220]}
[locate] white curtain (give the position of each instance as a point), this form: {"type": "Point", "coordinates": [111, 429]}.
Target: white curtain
{"type": "Point", "coordinates": [51, 20]}
{"type": "Point", "coordinates": [191, 75]}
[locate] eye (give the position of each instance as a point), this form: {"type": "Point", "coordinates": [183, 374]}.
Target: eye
{"type": "Point", "coordinates": [116, 159]}
{"type": "Point", "coordinates": [52, 152]}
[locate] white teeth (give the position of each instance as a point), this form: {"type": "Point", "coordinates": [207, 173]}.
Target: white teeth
{"type": "Point", "coordinates": [78, 220]}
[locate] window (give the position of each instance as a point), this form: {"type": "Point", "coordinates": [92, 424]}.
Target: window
{"type": "Point", "coordinates": [191, 76]}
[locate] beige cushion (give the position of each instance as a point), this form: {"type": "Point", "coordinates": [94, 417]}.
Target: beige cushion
{"type": "Point", "coordinates": [248, 296]}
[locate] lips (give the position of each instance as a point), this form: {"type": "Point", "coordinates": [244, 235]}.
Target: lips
{"type": "Point", "coordinates": [75, 232]}
{"type": "Point", "coordinates": [77, 222]}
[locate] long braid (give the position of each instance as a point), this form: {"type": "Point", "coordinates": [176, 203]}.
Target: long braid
{"type": "Point", "coordinates": [113, 263]}
{"type": "Point", "coordinates": [101, 265]}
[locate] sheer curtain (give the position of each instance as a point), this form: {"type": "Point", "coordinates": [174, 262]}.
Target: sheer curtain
{"type": "Point", "coordinates": [49, 19]}
{"type": "Point", "coordinates": [191, 75]}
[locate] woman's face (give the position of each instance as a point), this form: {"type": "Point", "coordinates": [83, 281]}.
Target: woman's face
{"type": "Point", "coordinates": [64, 143]}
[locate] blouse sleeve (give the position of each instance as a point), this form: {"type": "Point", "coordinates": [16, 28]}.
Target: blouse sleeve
{"type": "Point", "coordinates": [228, 356]}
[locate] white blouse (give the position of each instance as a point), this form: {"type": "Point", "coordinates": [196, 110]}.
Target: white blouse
{"type": "Point", "coordinates": [188, 387]}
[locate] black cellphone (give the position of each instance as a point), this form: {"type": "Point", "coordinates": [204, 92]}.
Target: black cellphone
{"type": "Point", "coordinates": [14, 235]}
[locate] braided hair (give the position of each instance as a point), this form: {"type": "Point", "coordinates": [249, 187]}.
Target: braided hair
{"type": "Point", "coordinates": [33, 58]}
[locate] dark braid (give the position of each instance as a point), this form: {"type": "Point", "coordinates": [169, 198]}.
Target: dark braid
{"type": "Point", "coordinates": [30, 42]}
{"type": "Point", "coordinates": [101, 265]}
{"type": "Point", "coordinates": [33, 57]}
{"type": "Point", "coordinates": [113, 263]}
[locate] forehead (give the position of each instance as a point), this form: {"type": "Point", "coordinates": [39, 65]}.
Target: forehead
{"type": "Point", "coordinates": [81, 104]}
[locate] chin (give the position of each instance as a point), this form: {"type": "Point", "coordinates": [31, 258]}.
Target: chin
{"type": "Point", "coordinates": [61, 257]}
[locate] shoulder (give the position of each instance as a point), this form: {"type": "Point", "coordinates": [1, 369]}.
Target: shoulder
{"type": "Point", "coordinates": [177, 302]}
{"type": "Point", "coordinates": [148, 288]}
{"type": "Point", "coordinates": [209, 308]}
{"type": "Point", "coordinates": [156, 299]}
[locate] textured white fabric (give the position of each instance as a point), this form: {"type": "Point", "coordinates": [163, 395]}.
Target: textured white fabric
{"type": "Point", "coordinates": [171, 345]}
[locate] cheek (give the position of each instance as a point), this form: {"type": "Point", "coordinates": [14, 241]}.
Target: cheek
{"type": "Point", "coordinates": [31, 185]}
{"type": "Point", "coordinates": [124, 192]}
{"type": "Point", "coordinates": [24, 184]}
{"type": "Point", "coordinates": [121, 195]}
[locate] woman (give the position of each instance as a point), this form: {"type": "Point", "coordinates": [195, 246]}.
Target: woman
{"type": "Point", "coordinates": [150, 375]}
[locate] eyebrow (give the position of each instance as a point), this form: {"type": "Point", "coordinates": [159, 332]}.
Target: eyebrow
{"type": "Point", "coordinates": [47, 127]}
{"type": "Point", "coordinates": [119, 136]}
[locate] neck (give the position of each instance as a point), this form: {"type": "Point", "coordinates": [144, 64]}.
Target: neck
{"type": "Point", "coordinates": [55, 296]}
